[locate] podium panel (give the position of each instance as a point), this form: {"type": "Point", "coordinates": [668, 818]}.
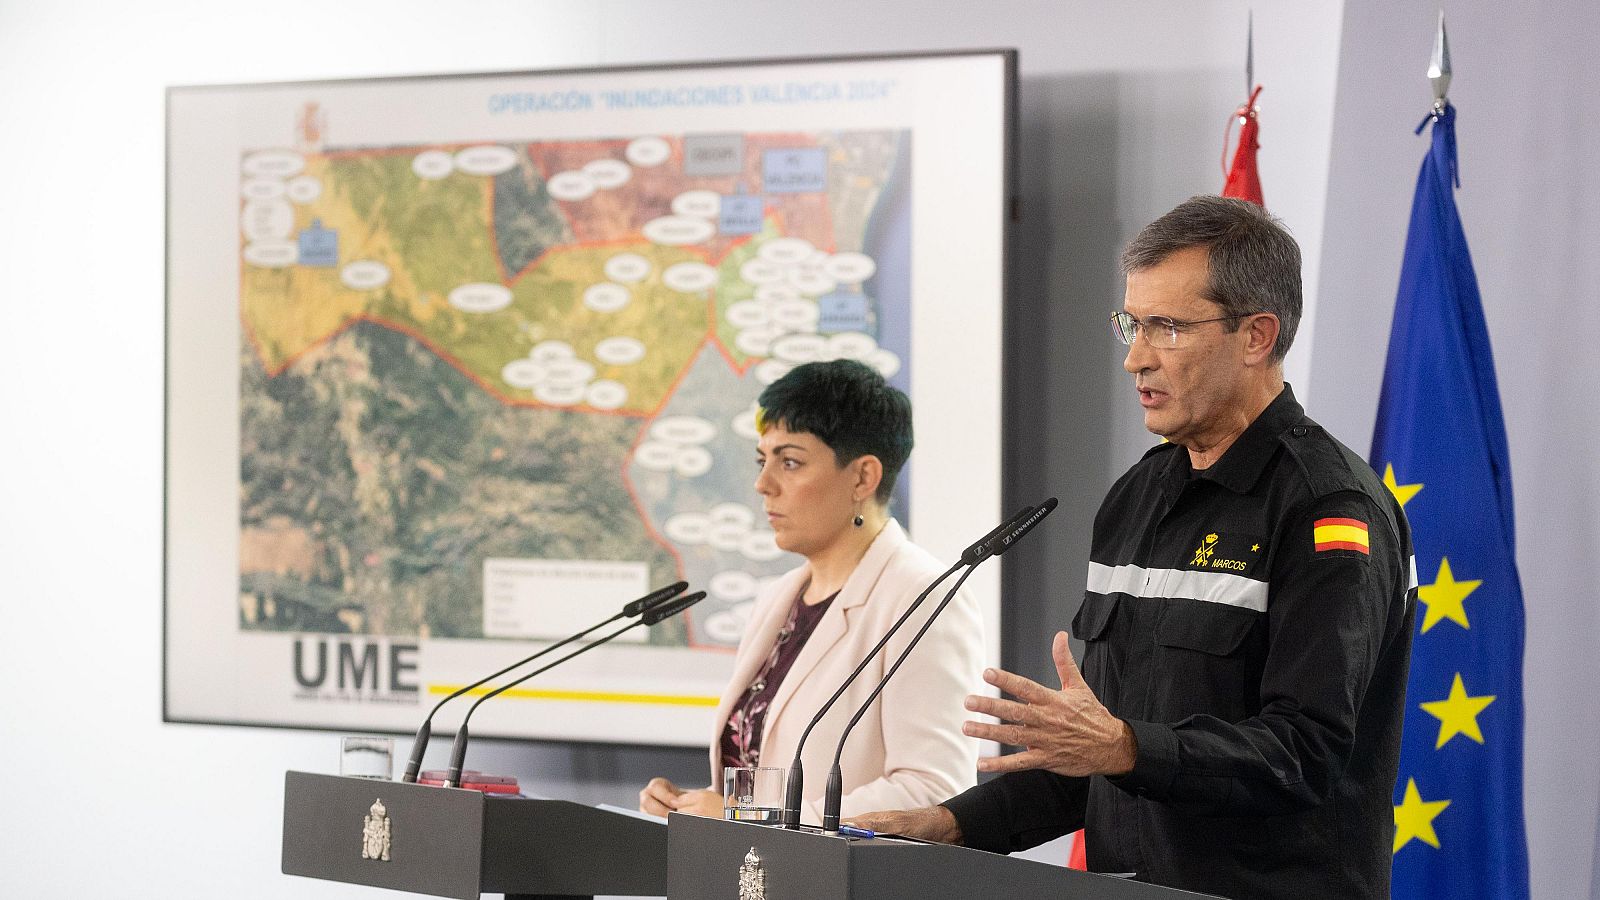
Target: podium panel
{"type": "Point", "coordinates": [448, 842]}
{"type": "Point", "coordinates": [710, 859]}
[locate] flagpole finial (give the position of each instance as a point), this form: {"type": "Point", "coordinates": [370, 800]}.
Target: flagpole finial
{"type": "Point", "coordinates": [1250, 53]}
{"type": "Point", "coordinates": [1439, 67]}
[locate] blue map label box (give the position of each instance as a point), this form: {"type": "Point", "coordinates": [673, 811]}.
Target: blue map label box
{"type": "Point", "coordinates": [741, 214]}
{"type": "Point", "coordinates": [844, 311]}
{"type": "Point", "coordinates": [319, 246]}
{"type": "Point", "coordinates": [713, 154]}
{"type": "Point", "coordinates": [799, 170]}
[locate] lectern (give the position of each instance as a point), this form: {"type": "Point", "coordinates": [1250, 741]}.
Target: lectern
{"type": "Point", "coordinates": [710, 859]}
{"type": "Point", "coordinates": [458, 843]}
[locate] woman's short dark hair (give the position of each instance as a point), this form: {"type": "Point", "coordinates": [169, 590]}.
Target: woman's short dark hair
{"type": "Point", "coordinates": [849, 407]}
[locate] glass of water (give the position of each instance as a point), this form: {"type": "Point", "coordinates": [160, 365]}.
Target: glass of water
{"type": "Point", "coordinates": [753, 794]}
{"type": "Point", "coordinates": [366, 757]}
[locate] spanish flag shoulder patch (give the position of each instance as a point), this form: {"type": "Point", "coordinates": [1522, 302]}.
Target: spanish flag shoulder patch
{"type": "Point", "coordinates": [1340, 534]}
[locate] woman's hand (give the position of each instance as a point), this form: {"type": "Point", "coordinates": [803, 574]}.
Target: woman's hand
{"type": "Point", "coordinates": [661, 797]}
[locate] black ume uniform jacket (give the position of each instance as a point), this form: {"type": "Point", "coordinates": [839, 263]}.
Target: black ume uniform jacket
{"type": "Point", "coordinates": [1264, 678]}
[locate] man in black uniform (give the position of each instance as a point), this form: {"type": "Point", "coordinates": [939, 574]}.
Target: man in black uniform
{"type": "Point", "coordinates": [1247, 625]}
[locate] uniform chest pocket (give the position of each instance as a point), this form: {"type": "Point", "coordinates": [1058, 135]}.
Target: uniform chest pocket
{"type": "Point", "coordinates": [1093, 617]}
{"type": "Point", "coordinates": [1207, 663]}
{"type": "Point", "coordinates": [1210, 628]}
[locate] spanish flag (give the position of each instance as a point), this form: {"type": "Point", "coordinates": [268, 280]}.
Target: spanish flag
{"type": "Point", "coordinates": [1340, 534]}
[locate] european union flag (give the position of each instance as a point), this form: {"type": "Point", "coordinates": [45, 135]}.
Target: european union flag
{"type": "Point", "coordinates": [1440, 445]}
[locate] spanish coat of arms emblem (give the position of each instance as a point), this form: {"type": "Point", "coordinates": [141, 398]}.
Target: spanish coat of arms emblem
{"type": "Point", "coordinates": [752, 878]}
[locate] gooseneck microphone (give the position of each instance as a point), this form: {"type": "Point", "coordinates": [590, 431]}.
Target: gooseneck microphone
{"type": "Point", "coordinates": [658, 613]}
{"type": "Point", "coordinates": [974, 554]}
{"type": "Point", "coordinates": [649, 601]}
{"type": "Point", "coordinates": [997, 542]}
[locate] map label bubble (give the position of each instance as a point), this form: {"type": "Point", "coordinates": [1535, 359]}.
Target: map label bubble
{"type": "Point", "coordinates": [800, 348]}
{"type": "Point", "coordinates": [775, 292]}
{"type": "Point", "coordinates": [606, 394]}
{"type": "Point", "coordinates": [760, 546]}
{"type": "Point", "coordinates": [569, 372]}
{"type": "Point", "coordinates": [486, 159]}
{"type": "Point", "coordinates": [679, 231]}
{"type": "Point", "coordinates": [648, 152]}
{"type": "Point", "coordinates": [274, 164]}
{"type": "Point", "coordinates": [796, 315]}
{"type": "Point", "coordinates": [747, 314]}
{"type": "Point", "coordinates": [713, 154]}
{"type": "Point", "coordinates": [733, 584]}
{"type": "Point", "coordinates": [627, 268]}
{"type": "Point", "coordinates": [785, 251]}
{"type": "Point", "coordinates": [741, 214]}
{"type": "Point", "coordinates": [842, 311]}
{"type": "Point", "coordinates": [760, 271]}
{"type": "Point", "coordinates": [885, 361]}
{"type": "Point", "coordinates": [727, 537]}
{"type": "Point", "coordinates": [849, 267]}
{"type": "Point", "coordinates": [690, 529]}
{"type": "Point", "coordinates": [744, 423]}
{"type": "Point", "coordinates": [851, 345]}
{"type": "Point", "coordinates": [693, 462]}
{"type": "Point", "coordinates": [606, 297]}
{"type": "Point", "coordinates": [261, 189]}
{"type": "Point", "coordinates": [701, 204]}
{"type": "Point", "coordinates": [271, 254]}
{"type": "Point", "coordinates": [571, 186]}
{"type": "Point", "coordinates": [482, 297]}
{"type": "Point", "coordinates": [432, 165]}
{"type": "Point", "coordinates": [364, 275]}
{"type": "Point", "coordinates": [619, 351]}
{"type": "Point", "coordinates": [267, 220]}
{"type": "Point", "coordinates": [726, 626]}
{"type": "Point", "coordinates": [811, 280]}
{"type": "Point", "coordinates": [551, 351]}
{"type": "Point", "coordinates": [769, 371]}
{"type": "Point", "coordinates": [608, 173]}
{"type": "Point", "coordinates": [683, 430]}
{"type": "Point", "coordinates": [304, 189]}
{"type": "Point", "coordinates": [657, 456]}
{"type": "Point", "coordinates": [523, 373]}
{"type": "Point", "coordinates": [563, 394]}
{"type": "Point", "coordinates": [689, 277]}
{"type": "Point", "coordinates": [756, 341]}
{"type": "Point", "coordinates": [733, 514]}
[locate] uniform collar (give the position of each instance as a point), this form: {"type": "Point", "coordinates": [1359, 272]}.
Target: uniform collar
{"type": "Point", "coordinates": [1241, 466]}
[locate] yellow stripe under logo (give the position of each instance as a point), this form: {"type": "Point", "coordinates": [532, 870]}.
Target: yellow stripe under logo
{"type": "Point", "coordinates": [582, 696]}
{"type": "Point", "coordinates": [1349, 533]}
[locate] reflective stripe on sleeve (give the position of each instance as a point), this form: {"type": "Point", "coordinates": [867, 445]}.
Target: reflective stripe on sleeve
{"type": "Point", "coordinates": [1179, 584]}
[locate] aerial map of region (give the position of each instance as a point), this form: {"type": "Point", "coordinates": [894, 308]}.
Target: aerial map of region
{"type": "Point", "coordinates": [495, 390]}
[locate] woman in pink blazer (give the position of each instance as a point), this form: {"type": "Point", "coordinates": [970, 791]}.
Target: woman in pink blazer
{"type": "Point", "coordinates": [834, 436]}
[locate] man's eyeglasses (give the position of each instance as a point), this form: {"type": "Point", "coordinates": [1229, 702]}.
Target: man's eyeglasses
{"type": "Point", "coordinates": [1160, 332]}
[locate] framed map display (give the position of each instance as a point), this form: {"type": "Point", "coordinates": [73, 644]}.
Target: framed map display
{"type": "Point", "coordinates": [457, 365]}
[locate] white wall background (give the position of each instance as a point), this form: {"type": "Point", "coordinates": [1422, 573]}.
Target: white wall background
{"type": "Point", "coordinates": [1122, 114]}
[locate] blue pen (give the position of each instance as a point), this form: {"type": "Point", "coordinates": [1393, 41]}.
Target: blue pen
{"type": "Point", "coordinates": [852, 831]}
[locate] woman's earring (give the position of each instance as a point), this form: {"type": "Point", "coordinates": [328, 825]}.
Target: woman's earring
{"type": "Point", "coordinates": [859, 521]}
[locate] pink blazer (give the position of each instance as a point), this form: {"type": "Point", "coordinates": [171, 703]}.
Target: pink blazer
{"type": "Point", "coordinates": [908, 750]}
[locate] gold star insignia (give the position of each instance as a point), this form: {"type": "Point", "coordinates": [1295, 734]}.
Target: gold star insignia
{"type": "Point", "coordinates": [1458, 713]}
{"type": "Point", "coordinates": [1413, 818]}
{"type": "Point", "coordinates": [1254, 547]}
{"type": "Point", "coordinates": [1401, 492]}
{"type": "Point", "coordinates": [1444, 598]}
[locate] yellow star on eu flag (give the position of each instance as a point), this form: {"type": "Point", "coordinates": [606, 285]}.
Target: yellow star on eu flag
{"type": "Point", "coordinates": [1444, 598]}
{"type": "Point", "coordinates": [1401, 492]}
{"type": "Point", "coordinates": [1458, 713]}
{"type": "Point", "coordinates": [1413, 818]}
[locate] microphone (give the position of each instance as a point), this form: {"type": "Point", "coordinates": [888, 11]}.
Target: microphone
{"type": "Point", "coordinates": [994, 545]}
{"type": "Point", "coordinates": [979, 551]}
{"type": "Point", "coordinates": [661, 611]}
{"type": "Point", "coordinates": [420, 744]}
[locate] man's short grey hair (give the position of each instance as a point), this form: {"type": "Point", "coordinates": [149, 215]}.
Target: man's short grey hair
{"type": "Point", "coordinates": [1254, 262]}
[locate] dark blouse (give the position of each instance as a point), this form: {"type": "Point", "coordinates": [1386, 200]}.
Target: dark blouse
{"type": "Point", "coordinates": [741, 737]}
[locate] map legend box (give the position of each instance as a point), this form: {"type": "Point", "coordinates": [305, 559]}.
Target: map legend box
{"type": "Point", "coordinates": [549, 599]}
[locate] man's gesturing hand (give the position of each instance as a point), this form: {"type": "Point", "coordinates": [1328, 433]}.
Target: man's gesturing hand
{"type": "Point", "coordinates": [1067, 732]}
